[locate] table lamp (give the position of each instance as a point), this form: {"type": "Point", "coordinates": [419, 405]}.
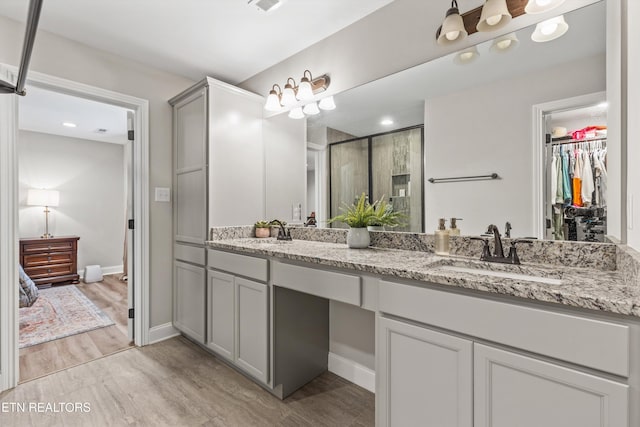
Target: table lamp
{"type": "Point", "coordinates": [46, 198]}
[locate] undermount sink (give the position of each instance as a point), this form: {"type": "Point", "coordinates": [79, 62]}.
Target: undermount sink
{"type": "Point", "coordinates": [506, 271]}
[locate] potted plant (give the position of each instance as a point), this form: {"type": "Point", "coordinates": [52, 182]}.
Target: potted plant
{"type": "Point", "coordinates": [384, 216]}
{"type": "Point", "coordinates": [263, 229]}
{"type": "Point", "coordinates": [357, 216]}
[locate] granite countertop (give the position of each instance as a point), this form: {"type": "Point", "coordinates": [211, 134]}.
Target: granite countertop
{"type": "Point", "coordinates": [600, 290]}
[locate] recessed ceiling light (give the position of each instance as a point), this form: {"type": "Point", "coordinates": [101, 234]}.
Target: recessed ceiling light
{"type": "Point", "coordinates": [386, 122]}
{"type": "Point", "coordinates": [69, 124]}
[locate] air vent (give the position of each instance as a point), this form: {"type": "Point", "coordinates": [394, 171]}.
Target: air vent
{"type": "Point", "coordinates": [101, 130]}
{"type": "Point", "coordinates": [266, 5]}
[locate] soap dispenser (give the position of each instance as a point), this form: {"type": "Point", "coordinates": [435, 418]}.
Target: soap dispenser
{"type": "Point", "coordinates": [453, 227]}
{"type": "Point", "coordinates": [442, 238]}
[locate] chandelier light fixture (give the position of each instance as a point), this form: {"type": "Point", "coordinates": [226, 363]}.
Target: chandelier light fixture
{"type": "Point", "coordinates": [452, 28]}
{"type": "Point", "coordinates": [495, 15]}
{"type": "Point", "coordinates": [550, 29]}
{"type": "Point", "coordinates": [300, 99]}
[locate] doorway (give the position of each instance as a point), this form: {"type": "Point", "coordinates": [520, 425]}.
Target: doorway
{"type": "Point", "coordinates": [77, 150]}
{"type": "Point", "coordinates": [9, 189]}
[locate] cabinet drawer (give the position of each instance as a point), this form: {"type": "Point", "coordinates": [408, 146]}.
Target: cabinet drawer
{"type": "Point", "coordinates": [326, 284]}
{"type": "Point", "coordinates": [587, 342]}
{"type": "Point", "coordinates": [188, 253]}
{"type": "Point", "coordinates": [49, 270]}
{"type": "Point", "coordinates": [242, 265]}
{"type": "Point", "coordinates": [39, 247]}
{"type": "Point", "coordinates": [36, 260]}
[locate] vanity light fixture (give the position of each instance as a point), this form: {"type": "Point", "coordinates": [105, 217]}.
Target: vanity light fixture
{"type": "Point", "coordinates": [296, 95]}
{"type": "Point", "coordinates": [288, 94]}
{"type": "Point", "coordinates": [550, 29]}
{"type": "Point", "coordinates": [296, 113]}
{"type": "Point", "coordinates": [466, 56]}
{"type": "Point", "coordinates": [452, 28]}
{"type": "Point", "coordinates": [504, 43]}
{"type": "Point", "coordinates": [305, 92]}
{"type": "Point", "coordinates": [311, 109]}
{"type": "Point", "coordinates": [494, 15]}
{"type": "Point", "coordinates": [327, 103]}
{"type": "Point", "coordinates": [541, 6]}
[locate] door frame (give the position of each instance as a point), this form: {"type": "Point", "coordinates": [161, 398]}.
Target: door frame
{"type": "Point", "coordinates": [538, 146]}
{"type": "Point", "coordinates": [9, 323]}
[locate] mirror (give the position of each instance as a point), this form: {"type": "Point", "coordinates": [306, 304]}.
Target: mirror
{"type": "Point", "coordinates": [478, 120]}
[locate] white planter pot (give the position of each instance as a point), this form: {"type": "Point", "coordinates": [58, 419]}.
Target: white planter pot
{"type": "Point", "coordinates": [358, 238]}
{"type": "Point", "coordinates": [375, 227]}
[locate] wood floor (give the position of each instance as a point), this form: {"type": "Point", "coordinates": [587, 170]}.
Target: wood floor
{"type": "Point", "coordinates": [110, 296]}
{"type": "Point", "coordinates": [176, 383]}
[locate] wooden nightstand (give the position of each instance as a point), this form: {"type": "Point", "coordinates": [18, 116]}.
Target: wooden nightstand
{"type": "Point", "coordinates": [50, 261]}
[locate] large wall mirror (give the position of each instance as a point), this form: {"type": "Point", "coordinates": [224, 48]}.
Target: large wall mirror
{"type": "Point", "coordinates": [477, 108]}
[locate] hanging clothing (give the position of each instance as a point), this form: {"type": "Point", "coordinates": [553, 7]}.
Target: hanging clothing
{"type": "Point", "coordinates": [566, 186]}
{"type": "Point", "coordinates": [599, 158]}
{"type": "Point", "coordinates": [560, 180]}
{"type": "Point", "coordinates": [577, 177]}
{"type": "Point", "coordinates": [587, 180]}
{"type": "Point", "coordinates": [554, 179]}
{"type": "Point", "coordinates": [558, 224]}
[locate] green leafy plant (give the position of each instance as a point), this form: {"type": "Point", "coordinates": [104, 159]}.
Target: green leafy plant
{"type": "Point", "coordinates": [385, 215]}
{"type": "Point", "coordinates": [262, 224]}
{"type": "Point", "coordinates": [356, 215]}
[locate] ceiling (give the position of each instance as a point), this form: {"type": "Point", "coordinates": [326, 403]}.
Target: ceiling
{"type": "Point", "coordinates": [400, 97]}
{"type": "Point", "coordinates": [226, 39]}
{"type": "Point", "coordinates": [45, 111]}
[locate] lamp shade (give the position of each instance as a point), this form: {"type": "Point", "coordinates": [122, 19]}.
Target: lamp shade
{"type": "Point", "coordinates": [550, 29]}
{"type": "Point", "coordinates": [296, 113]}
{"type": "Point", "coordinates": [541, 6]}
{"type": "Point", "coordinates": [327, 103]}
{"type": "Point", "coordinates": [273, 102]}
{"type": "Point", "coordinates": [495, 15]}
{"type": "Point", "coordinates": [305, 92]}
{"type": "Point", "coordinates": [37, 197]}
{"type": "Point", "coordinates": [311, 109]}
{"type": "Point", "coordinates": [466, 56]}
{"type": "Point", "coordinates": [452, 29]}
{"type": "Point", "coordinates": [504, 43]}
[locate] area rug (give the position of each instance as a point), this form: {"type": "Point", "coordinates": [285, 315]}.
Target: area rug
{"type": "Point", "coordinates": [59, 312]}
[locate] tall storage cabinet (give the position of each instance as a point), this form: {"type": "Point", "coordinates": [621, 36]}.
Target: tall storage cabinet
{"type": "Point", "coordinates": [218, 165]}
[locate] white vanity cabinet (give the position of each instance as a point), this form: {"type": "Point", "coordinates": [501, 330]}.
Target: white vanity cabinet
{"type": "Point", "coordinates": [439, 359]}
{"type": "Point", "coordinates": [188, 304]}
{"type": "Point", "coordinates": [238, 312]}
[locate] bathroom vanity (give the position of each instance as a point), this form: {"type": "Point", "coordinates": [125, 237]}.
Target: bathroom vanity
{"type": "Point", "coordinates": [453, 347]}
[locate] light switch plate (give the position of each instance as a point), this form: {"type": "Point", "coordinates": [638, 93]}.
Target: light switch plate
{"type": "Point", "coordinates": [163, 194]}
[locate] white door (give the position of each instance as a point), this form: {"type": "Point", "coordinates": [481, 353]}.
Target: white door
{"type": "Point", "coordinates": [514, 390]}
{"type": "Point", "coordinates": [424, 377]}
{"type": "Point", "coordinates": [221, 314]}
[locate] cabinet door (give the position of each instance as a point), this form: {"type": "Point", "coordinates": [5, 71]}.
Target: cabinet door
{"type": "Point", "coordinates": [220, 314]}
{"type": "Point", "coordinates": [514, 390]}
{"type": "Point", "coordinates": [252, 353]}
{"type": "Point", "coordinates": [189, 302]}
{"type": "Point", "coordinates": [424, 377]}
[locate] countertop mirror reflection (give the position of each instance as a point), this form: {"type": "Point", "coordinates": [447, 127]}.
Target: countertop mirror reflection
{"type": "Point", "coordinates": [478, 118]}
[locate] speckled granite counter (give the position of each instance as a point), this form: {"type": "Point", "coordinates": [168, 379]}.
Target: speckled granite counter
{"type": "Point", "coordinates": [592, 288]}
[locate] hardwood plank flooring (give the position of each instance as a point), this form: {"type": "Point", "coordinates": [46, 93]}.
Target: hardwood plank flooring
{"type": "Point", "coordinates": [110, 296]}
{"type": "Point", "coordinates": [176, 383]}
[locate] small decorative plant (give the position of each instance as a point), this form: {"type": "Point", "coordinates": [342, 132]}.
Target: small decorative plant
{"type": "Point", "coordinates": [357, 215]}
{"type": "Point", "coordinates": [385, 216]}
{"type": "Point", "coordinates": [263, 228]}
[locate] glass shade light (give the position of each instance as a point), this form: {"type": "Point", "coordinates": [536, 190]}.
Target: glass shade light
{"type": "Point", "coordinates": [452, 28]}
{"type": "Point", "coordinates": [504, 43]}
{"type": "Point", "coordinates": [288, 94]}
{"type": "Point", "coordinates": [273, 100]}
{"type": "Point", "coordinates": [296, 113]}
{"type": "Point", "coordinates": [327, 103]}
{"type": "Point", "coordinates": [541, 6]}
{"type": "Point", "coordinates": [305, 91]}
{"type": "Point", "coordinates": [37, 197]}
{"type": "Point", "coordinates": [550, 29]}
{"type": "Point", "coordinates": [311, 109]}
{"type": "Point", "coordinates": [467, 56]}
{"type": "Point", "coordinates": [494, 15]}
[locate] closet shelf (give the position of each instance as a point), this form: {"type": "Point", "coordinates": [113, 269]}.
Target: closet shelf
{"type": "Point", "coordinates": [565, 140]}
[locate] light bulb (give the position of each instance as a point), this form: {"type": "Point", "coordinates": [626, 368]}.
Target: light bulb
{"type": "Point", "coordinates": [548, 28]}
{"type": "Point", "coordinates": [503, 44]}
{"type": "Point", "coordinates": [296, 113]}
{"type": "Point", "coordinates": [288, 96]}
{"type": "Point", "coordinates": [304, 90]}
{"type": "Point", "coordinates": [466, 55]}
{"type": "Point", "coordinates": [311, 109]}
{"type": "Point", "coordinates": [327, 103]}
{"type": "Point", "coordinates": [494, 20]}
{"type": "Point", "coordinates": [452, 35]}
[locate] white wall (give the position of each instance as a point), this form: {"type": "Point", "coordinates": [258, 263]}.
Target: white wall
{"type": "Point", "coordinates": [633, 124]}
{"type": "Point", "coordinates": [90, 178]}
{"type": "Point", "coordinates": [311, 193]}
{"type": "Point", "coordinates": [71, 60]}
{"type": "Point", "coordinates": [488, 129]}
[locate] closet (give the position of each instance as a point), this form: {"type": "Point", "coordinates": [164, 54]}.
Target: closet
{"type": "Point", "coordinates": [576, 175]}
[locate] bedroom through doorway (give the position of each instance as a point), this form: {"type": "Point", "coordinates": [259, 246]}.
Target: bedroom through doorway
{"type": "Point", "coordinates": [75, 196]}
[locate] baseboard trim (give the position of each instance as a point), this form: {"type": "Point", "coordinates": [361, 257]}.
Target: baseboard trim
{"type": "Point", "coordinates": [114, 269]}
{"type": "Point", "coordinates": [162, 332]}
{"type": "Point", "coordinates": [352, 371]}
